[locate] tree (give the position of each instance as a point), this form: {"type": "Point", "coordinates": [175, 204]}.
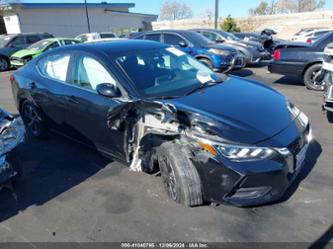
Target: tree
{"type": "Point", "coordinates": [230, 25]}
{"type": "Point", "coordinates": [262, 9]}
{"type": "Point", "coordinates": [175, 10]}
{"type": "Point", "coordinates": [286, 6]}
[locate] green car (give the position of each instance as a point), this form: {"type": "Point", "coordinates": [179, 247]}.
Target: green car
{"type": "Point", "coordinates": [21, 57]}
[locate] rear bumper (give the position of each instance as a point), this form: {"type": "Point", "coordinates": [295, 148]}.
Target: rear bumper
{"type": "Point", "coordinates": [286, 68]}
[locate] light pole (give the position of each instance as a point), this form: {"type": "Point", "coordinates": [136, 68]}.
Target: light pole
{"type": "Point", "coordinates": [87, 15]}
{"type": "Point", "coordinates": [216, 14]}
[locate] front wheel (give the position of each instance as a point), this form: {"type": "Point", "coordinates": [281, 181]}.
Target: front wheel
{"type": "Point", "coordinates": [311, 79]}
{"type": "Point", "coordinates": [4, 64]}
{"type": "Point", "coordinates": [180, 177]}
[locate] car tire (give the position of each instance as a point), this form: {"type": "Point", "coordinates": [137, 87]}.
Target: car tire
{"type": "Point", "coordinates": [4, 64]}
{"type": "Point", "coordinates": [329, 116]}
{"type": "Point", "coordinates": [180, 177]}
{"type": "Point", "coordinates": [206, 62]}
{"type": "Point", "coordinates": [34, 124]}
{"type": "Point", "coordinates": [309, 75]}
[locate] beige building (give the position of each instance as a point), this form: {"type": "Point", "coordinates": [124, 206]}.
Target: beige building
{"type": "Point", "coordinates": [69, 19]}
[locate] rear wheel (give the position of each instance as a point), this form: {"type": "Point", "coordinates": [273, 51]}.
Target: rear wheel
{"type": "Point", "coordinates": [4, 64]}
{"type": "Point", "coordinates": [311, 79]}
{"type": "Point", "coordinates": [206, 62]}
{"type": "Point", "coordinates": [180, 177]}
{"type": "Point", "coordinates": [32, 120]}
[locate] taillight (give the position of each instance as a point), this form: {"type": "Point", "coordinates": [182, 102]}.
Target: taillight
{"type": "Point", "coordinates": [277, 55]}
{"type": "Point", "coordinates": [11, 78]}
{"type": "Point", "coordinates": [309, 41]}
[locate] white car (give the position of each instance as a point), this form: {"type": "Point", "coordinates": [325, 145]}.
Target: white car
{"type": "Point", "coordinates": [87, 37]}
{"type": "Point", "coordinates": [309, 35]}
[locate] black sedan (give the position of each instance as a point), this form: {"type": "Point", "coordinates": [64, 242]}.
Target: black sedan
{"type": "Point", "coordinates": [213, 138]}
{"type": "Point", "coordinates": [301, 60]}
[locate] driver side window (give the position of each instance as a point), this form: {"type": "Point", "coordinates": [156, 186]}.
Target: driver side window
{"type": "Point", "coordinates": [89, 73]}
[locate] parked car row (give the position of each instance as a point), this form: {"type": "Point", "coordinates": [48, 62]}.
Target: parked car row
{"type": "Point", "coordinates": [9, 44]}
{"type": "Point", "coordinates": [213, 137]}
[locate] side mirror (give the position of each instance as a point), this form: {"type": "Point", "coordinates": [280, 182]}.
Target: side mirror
{"type": "Point", "coordinates": [108, 90]}
{"type": "Point", "coordinates": [182, 44]}
{"type": "Point", "coordinates": [220, 40]}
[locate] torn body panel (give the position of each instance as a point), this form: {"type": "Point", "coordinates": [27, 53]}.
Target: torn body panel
{"type": "Point", "coordinates": [12, 134]}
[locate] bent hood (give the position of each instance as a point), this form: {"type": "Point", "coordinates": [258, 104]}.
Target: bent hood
{"type": "Point", "coordinates": [237, 110]}
{"type": "Point", "coordinates": [26, 52]}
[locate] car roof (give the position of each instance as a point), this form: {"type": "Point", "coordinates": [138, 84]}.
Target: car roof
{"type": "Point", "coordinates": [179, 31]}
{"type": "Point", "coordinates": [116, 46]}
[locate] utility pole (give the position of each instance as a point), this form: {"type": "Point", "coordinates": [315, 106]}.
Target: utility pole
{"type": "Point", "coordinates": [216, 14]}
{"type": "Point", "coordinates": [87, 15]}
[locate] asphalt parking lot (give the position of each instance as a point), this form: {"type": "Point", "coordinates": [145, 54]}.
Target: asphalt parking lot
{"type": "Point", "coordinates": [69, 193]}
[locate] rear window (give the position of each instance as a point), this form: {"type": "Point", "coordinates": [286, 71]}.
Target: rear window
{"type": "Point", "coordinates": [109, 35]}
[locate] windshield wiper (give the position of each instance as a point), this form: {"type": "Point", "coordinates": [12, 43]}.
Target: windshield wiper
{"type": "Point", "coordinates": [203, 85]}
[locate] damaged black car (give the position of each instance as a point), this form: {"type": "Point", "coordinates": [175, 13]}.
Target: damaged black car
{"type": "Point", "coordinates": [12, 133]}
{"type": "Point", "coordinates": [212, 137]}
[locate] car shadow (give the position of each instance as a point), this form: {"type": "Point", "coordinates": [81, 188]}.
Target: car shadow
{"type": "Point", "coordinates": [289, 80]}
{"type": "Point", "coordinates": [323, 240]}
{"type": "Point", "coordinates": [242, 72]}
{"type": "Point", "coordinates": [50, 168]}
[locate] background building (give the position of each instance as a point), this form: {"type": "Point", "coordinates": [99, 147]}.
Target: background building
{"type": "Point", "coordinates": [69, 19]}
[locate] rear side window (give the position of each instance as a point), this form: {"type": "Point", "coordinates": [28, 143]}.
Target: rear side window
{"type": "Point", "coordinates": [70, 42]}
{"type": "Point", "coordinates": [173, 39]}
{"type": "Point", "coordinates": [54, 66]}
{"type": "Point", "coordinates": [153, 37]}
{"type": "Point", "coordinates": [52, 46]}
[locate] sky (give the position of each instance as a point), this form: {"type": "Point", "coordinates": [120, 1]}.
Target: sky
{"type": "Point", "coordinates": [237, 8]}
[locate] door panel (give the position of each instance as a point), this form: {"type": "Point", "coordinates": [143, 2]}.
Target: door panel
{"type": "Point", "coordinates": [51, 89]}
{"type": "Point", "coordinates": [88, 111]}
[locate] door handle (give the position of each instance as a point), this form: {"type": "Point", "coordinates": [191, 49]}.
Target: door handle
{"type": "Point", "coordinates": [32, 85]}
{"type": "Point", "coordinates": [73, 99]}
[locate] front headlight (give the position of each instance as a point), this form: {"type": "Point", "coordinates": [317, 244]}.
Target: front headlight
{"type": "Point", "coordinates": [220, 52]}
{"type": "Point", "coordinates": [244, 153]}
{"type": "Point", "coordinates": [12, 135]}
{"type": "Point", "coordinates": [236, 152]}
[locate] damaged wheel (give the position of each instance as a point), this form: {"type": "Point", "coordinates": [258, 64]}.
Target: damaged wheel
{"type": "Point", "coordinates": [180, 177]}
{"type": "Point", "coordinates": [311, 78]}
{"type": "Point", "coordinates": [32, 120]}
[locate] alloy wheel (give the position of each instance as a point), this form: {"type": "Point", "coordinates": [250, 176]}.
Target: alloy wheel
{"type": "Point", "coordinates": [168, 178]}
{"type": "Point", "coordinates": [32, 119]}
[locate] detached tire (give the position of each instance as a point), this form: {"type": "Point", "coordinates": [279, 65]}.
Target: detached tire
{"type": "Point", "coordinates": [309, 76]}
{"type": "Point", "coordinates": [180, 177]}
{"type": "Point", "coordinates": [206, 62]}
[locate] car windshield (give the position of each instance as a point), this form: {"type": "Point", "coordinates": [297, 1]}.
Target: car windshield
{"type": "Point", "coordinates": [4, 39]}
{"type": "Point", "coordinates": [197, 39]}
{"type": "Point", "coordinates": [230, 37]}
{"type": "Point", "coordinates": [39, 45]}
{"type": "Point", "coordinates": [165, 72]}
